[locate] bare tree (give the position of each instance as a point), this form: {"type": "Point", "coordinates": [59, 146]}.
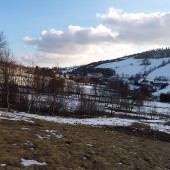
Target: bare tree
{"type": "Point", "coordinates": [137, 100]}
{"type": "Point", "coordinates": [70, 87]}
{"type": "Point", "coordinates": [54, 100]}
{"type": "Point", "coordinates": [3, 42]}
{"type": "Point", "coordinates": [8, 71]}
{"type": "Point", "coordinates": [7, 66]}
{"type": "Point", "coordinates": [78, 89]}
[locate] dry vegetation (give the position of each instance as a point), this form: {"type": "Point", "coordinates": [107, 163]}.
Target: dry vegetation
{"type": "Point", "coordinates": [78, 147]}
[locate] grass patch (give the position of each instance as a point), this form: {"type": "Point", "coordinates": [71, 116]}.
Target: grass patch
{"type": "Point", "coordinates": [141, 126]}
{"type": "Point", "coordinates": [79, 147]}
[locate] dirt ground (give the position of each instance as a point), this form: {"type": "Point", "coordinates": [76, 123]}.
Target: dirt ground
{"type": "Point", "coordinates": [79, 147]}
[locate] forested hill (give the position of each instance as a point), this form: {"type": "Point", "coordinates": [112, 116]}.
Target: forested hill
{"type": "Point", "coordinates": [151, 54]}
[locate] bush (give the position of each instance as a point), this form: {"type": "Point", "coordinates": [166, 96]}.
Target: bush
{"type": "Point", "coordinates": [165, 97]}
{"type": "Point", "coordinates": [167, 123]}
{"type": "Point", "coordinates": [164, 85]}
{"type": "Point", "coordinates": [89, 109]}
{"type": "Point", "coordinates": [141, 126]}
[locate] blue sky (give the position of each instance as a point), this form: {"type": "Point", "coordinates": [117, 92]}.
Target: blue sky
{"type": "Point", "coordinates": [23, 22]}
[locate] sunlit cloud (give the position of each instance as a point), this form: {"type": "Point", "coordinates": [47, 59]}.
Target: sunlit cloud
{"type": "Point", "coordinates": [75, 40]}
{"type": "Point", "coordinates": [141, 28]}
{"type": "Point", "coordinates": [119, 33]}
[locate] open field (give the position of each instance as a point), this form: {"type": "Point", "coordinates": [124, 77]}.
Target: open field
{"type": "Point", "coordinates": [61, 146]}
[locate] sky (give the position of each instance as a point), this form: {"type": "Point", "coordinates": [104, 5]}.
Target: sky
{"type": "Point", "coordinates": [68, 33]}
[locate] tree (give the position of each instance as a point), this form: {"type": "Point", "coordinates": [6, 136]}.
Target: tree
{"type": "Point", "coordinates": [7, 68]}
{"type": "Point", "coordinates": [78, 89]}
{"type": "Point", "coordinates": [165, 97]}
{"type": "Point", "coordinates": [137, 100]}
{"type": "Point", "coordinates": [70, 87]}
{"type": "Point", "coordinates": [3, 42]}
{"type": "Point", "coordinates": [145, 90]}
{"type": "Point", "coordinates": [87, 107]}
{"type": "Point", "coordinates": [145, 62]}
{"type": "Point", "coordinates": [55, 102]}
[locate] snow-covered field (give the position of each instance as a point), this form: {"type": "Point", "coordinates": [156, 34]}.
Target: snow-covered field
{"type": "Point", "coordinates": [133, 66]}
{"type": "Point", "coordinates": [165, 90]}
{"type": "Point", "coordinates": [155, 122]}
{"type": "Point", "coordinates": [159, 107]}
{"type": "Point", "coordinates": [162, 71]}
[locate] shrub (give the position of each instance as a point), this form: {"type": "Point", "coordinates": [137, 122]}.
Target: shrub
{"type": "Point", "coordinates": [141, 126]}
{"type": "Point", "coordinates": [165, 97]}
{"type": "Point", "coordinates": [167, 123]}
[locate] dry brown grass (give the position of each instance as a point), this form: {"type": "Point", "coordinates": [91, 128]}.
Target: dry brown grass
{"type": "Point", "coordinates": [82, 147]}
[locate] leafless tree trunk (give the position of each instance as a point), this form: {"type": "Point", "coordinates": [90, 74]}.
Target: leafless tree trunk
{"type": "Point", "coordinates": [7, 65]}
{"type": "Point", "coordinates": [54, 96]}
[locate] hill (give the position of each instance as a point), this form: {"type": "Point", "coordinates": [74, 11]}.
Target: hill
{"type": "Point", "coordinates": [150, 67]}
{"type": "Point", "coordinates": [151, 64]}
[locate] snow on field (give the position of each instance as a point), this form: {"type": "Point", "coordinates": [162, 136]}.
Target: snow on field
{"type": "Point", "coordinates": [27, 163]}
{"type": "Point", "coordinates": [87, 121]}
{"type": "Point", "coordinates": [2, 165]}
{"type": "Point", "coordinates": [133, 87]}
{"type": "Point", "coordinates": [132, 66]}
{"type": "Point", "coordinates": [54, 133]}
{"type": "Point", "coordinates": [158, 107]}
{"type": "Point", "coordinates": [157, 124]}
{"type": "Point", "coordinates": [162, 105]}
{"type": "Point", "coordinates": [162, 71]}
{"type": "Point", "coordinates": [88, 89]}
{"type": "Point", "coordinates": [165, 90]}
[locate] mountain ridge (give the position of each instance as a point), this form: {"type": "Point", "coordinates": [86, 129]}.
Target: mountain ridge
{"type": "Point", "coordinates": [141, 63]}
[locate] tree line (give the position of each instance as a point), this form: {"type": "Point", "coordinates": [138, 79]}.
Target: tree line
{"type": "Point", "coordinates": [38, 90]}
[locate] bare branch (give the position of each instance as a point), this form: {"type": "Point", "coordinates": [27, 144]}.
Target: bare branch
{"type": "Point", "coordinates": [3, 42]}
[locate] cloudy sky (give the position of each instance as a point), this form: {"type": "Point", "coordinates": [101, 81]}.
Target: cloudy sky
{"type": "Point", "coordinates": [68, 33]}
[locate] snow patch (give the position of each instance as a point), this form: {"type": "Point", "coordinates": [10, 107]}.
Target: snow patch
{"type": "Point", "coordinates": [53, 133]}
{"type": "Point", "coordinates": [2, 165]}
{"type": "Point", "coordinates": [165, 90]}
{"type": "Point", "coordinates": [27, 163]}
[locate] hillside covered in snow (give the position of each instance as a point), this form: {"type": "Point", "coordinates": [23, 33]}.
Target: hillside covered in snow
{"type": "Point", "coordinates": [152, 67]}
{"type": "Point", "coordinates": [131, 67]}
{"type": "Point", "coordinates": [151, 64]}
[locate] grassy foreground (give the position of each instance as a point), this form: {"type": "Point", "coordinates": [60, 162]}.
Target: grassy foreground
{"type": "Point", "coordinates": [78, 147]}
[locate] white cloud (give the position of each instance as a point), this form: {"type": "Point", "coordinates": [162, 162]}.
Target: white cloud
{"type": "Point", "coordinates": [120, 33]}
{"type": "Point", "coordinates": [28, 39]}
{"type": "Point", "coordinates": [152, 28]}
{"type": "Point", "coordinates": [94, 53]}
{"type": "Point", "coordinates": [75, 40]}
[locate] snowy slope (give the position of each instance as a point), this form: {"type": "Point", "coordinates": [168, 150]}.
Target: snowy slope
{"type": "Point", "coordinates": [162, 71]}
{"type": "Point", "coordinates": [132, 66]}
{"type": "Point", "coordinates": [165, 90]}
{"type": "Point", "coordinates": [68, 69]}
